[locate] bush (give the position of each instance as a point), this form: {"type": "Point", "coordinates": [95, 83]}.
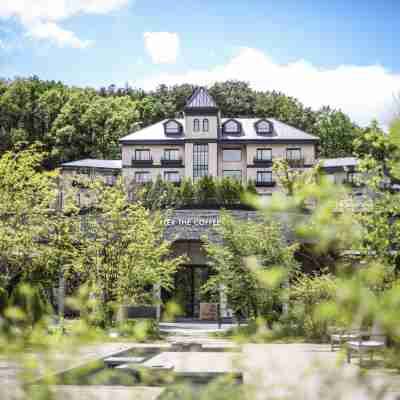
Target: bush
{"type": "Point", "coordinates": [307, 295]}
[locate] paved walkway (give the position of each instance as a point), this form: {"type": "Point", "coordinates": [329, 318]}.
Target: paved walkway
{"type": "Point", "coordinates": [194, 329]}
{"type": "Point", "coordinates": [309, 371]}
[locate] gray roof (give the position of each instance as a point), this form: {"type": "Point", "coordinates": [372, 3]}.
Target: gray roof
{"type": "Point", "coordinates": [282, 131]}
{"type": "Point", "coordinates": [339, 162]}
{"type": "Point", "coordinates": [201, 99]}
{"type": "Point", "coordinates": [93, 163]}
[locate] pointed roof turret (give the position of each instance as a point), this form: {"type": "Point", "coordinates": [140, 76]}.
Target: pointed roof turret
{"type": "Point", "coordinates": [201, 100]}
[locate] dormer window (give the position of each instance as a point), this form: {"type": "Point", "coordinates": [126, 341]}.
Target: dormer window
{"type": "Point", "coordinates": [205, 125]}
{"type": "Point", "coordinates": [196, 125]}
{"type": "Point", "coordinates": [172, 127]}
{"type": "Point", "coordinates": [263, 127]}
{"type": "Point", "coordinates": [231, 127]}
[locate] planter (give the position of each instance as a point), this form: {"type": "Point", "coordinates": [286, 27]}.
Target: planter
{"type": "Point", "coordinates": [137, 312]}
{"type": "Point", "coordinates": [209, 311]}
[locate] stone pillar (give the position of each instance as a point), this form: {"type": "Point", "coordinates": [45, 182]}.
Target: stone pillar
{"type": "Point", "coordinates": [61, 297]}
{"type": "Point", "coordinates": [223, 302]}
{"type": "Point", "coordinates": [285, 303]}
{"type": "Point", "coordinates": [213, 159]}
{"type": "Point", "coordinates": [189, 160]}
{"type": "Point", "coordinates": [157, 299]}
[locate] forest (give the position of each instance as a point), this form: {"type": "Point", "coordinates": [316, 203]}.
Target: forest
{"type": "Point", "coordinates": [71, 123]}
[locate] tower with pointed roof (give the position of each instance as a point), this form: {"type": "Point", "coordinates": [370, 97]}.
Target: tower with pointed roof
{"type": "Point", "coordinates": [201, 128]}
{"type": "Point", "coordinates": [201, 115]}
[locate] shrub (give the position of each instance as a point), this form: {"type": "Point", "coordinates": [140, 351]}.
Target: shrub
{"type": "Point", "coordinates": [307, 294]}
{"type": "Point", "coordinates": [206, 191]}
{"type": "Point", "coordinates": [229, 191]}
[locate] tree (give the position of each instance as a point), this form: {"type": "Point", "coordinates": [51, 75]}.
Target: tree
{"type": "Point", "coordinates": [379, 163]}
{"type": "Point", "coordinates": [336, 131]}
{"type": "Point", "coordinates": [293, 179]}
{"type": "Point", "coordinates": [250, 256]}
{"type": "Point", "coordinates": [125, 254]}
{"type": "Point", "coordinates": [27, 197]}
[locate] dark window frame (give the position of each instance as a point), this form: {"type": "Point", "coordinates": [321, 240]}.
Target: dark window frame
{"type": "Point", "coordinates": [196, 125]}
{"type": "Point", "coordinates": [140, 151]}
{"type": "Point", "coordinates": [262, 173]}
{"type": "Point", "coordinates": [174, 131]}
{"type": "Point", "coordinates": [206, 125]}
{"type": "Point", "coordinates": [263, 132]}
{"type": "Point", "coordinates": [146, 173]}
{"type": "Point", "coordinates": [262, 150]}
{"type": "Point", "coordinates": [169, 158]}
{"type": "Point", "coordinates": [200, 160]}
{"type": "Point", "coordinates": [238, 126]}
{"type": "Point", "coordinates": [166, 173]}
{"type": "Point", "coordinates": [289, 150]}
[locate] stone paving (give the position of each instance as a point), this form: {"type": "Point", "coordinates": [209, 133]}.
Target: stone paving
{"type": "Point", "coordinates": [291, 371]}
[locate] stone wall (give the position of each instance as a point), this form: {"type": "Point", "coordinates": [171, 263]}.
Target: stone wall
{"type": "Point", "coordinates": [191, 225]}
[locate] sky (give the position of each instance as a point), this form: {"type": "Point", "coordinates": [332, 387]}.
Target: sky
{"type": "Point", "coordinates": [324, 52]}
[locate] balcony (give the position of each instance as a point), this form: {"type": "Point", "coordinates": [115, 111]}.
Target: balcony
{"type": "Point", "coordinates": [142, 163]}
{"type": "Point", "coordinates": [265, 183]}
{"type": "Point", "coordinates": [265, 162]}
{"type": "Point", "coordinates": [295, 162]}
{"type": "Point", "coordinates": [172, 162]}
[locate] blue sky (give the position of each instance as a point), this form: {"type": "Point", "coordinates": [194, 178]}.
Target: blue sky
{"type": "Point", "coordinates": [337, 52]}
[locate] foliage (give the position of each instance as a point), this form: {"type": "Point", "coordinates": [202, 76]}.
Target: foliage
{"type": "Point", "coordinates": [246, 265]}
{"type": "Point", "coordinates": [306, 294]}
{"type": "Point", "coordinates": [125, 254]}
{"type": "Point", "coordinates": [293, 179]}
{"type": "Point", "coordinates": [27, 198]}
{"type": "Point", "coordinates": [74, 123]}
{"type": "Point", "coordinates": [205, 192]}
{"type": "Point", "coordinates": [336, 132]}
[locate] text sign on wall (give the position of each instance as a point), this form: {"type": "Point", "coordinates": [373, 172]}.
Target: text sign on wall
{"type": "Point", "coordinates": [201, 221]}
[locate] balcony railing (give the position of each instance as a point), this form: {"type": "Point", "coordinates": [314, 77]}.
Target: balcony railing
{"type": "Point", "coordinates": [295, 162]}
{"type": "Point", "coordinates": [142, 162]}
{"type": "Point", "coordinates": [172, 162]}
{"type": "Point", "coordinates": [265, 183]}
{"type": "Point", "coordinates": [267, 162]}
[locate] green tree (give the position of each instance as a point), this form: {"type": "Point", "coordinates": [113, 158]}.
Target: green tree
{"type": "Point", "coordinates": [125, 254]}
{"type": "Point", "coordinates": [249, 263]}
{"type": "Point", "coordinates": [336, 132]}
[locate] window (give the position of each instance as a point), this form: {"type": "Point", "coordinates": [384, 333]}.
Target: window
{"type": "Point", "coordinates": [232, 154]}
{"type": "Point", "coordinates": [171, 154]}
{"type": "Point", "coordinates": [172, 127]}
{"type": "Point", "coordinates": [142, 177]}
{"type": "Point", "coordinates": [233, 174]}
{"type": "Point", "coordinates": [264, 177]}
{"type": "Point", "coordinates": [263, 127]}
{"type": "Point", "coordinates": [196, 125]}
{"type": "Point", "coordinates": [172, 176]}
{"type": "Point", "coordinates": [231, 126]}
{"type": "Point", "coordinates": [205, 125]}
{"type": "Point", "coordinates": [200, 160]}
{"type": "Point", "coordinates": [142, 155]}
{"type": "Point", "coordinates": [264, 155]}
{"type": "Point", "coordinates": [293, 154]}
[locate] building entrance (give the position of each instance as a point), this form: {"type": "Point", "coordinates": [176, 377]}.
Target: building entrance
{"type": "Point", "coordinates": [189, 279]}
{"type": "Point", "coordinates": [187, 294]}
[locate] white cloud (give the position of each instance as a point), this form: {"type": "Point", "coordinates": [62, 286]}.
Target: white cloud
{"type": "Point", "coordinates": [39, 17]}
{"type": "Point", "coordinates": [163, 47]}
{"type": "Point", "coordinates": [62, 37]}
{"type": "Point", "coordinates": [364, 92]}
